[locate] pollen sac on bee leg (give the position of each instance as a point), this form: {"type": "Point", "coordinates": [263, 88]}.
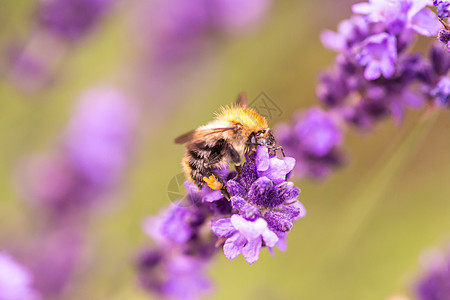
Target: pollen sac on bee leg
{"type": "Point", "coordinates": [213, 182]}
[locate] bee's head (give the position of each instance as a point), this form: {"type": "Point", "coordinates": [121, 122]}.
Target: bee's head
{"type": "Point", "coordinates": [262, 138]}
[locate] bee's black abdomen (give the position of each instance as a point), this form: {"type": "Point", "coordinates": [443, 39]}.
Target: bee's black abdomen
{"type": "Point", "coordinates": [201, 157]}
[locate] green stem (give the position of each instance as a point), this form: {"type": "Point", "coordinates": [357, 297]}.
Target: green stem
{"type": "Point", "coordinates": [365, 197]}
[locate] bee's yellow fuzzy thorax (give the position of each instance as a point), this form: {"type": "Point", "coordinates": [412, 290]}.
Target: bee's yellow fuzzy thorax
{"type": "Point", "coordinates": [243, 115]}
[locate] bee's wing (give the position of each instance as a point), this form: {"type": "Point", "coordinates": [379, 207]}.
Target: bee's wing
{"type": "Point", "coordinates": [242, 99]}
{"type": "Point", "coordinates": [200, 133]}
{"type": "Point", "coordinates": [184, 138]}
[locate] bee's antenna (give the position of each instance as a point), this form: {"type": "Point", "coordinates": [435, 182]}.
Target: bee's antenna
{"type": "Point", "coordinates": [242, 99]}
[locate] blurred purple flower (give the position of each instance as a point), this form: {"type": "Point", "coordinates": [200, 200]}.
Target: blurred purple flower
{"type": "Point", "coordinates": [379, 55]}
{"type": "Point", "coordinates": [99, 136]}
{"type": "Point", "coordinates": [312, 138]}
{"type": "Point", "coordinates": [16, 282]}
{"type": "Point", "coordinates": [435, 282]}
{"type": "Point", "coordinates": [443, 8]}
{"type": "Point", "coordinates": [177, 224]}
{"type": "Point", "coordinates": [399, 15]}
{"type": "Point", "coordinates": [236, 14]}
{"type": "Point", "coordinates": [349, 33]}
{"type": "Point", "coordinates": [174, 277]}
{"type": "Point", "coordinates": [179, 29]}
{"type": "Point", "coordinates": [47, 180]}
{"type": "Point", "coordinates": [444, 37]}
{"type": "Point", "coordinates": [91, 159]}
{"type": "Point", "coordinates": [71, 19]}
{"type": "Point", "coordinates": [174, 267]}
{"type": "Point", "coordinates": [27, 71]}
{"type": "Point", "coordinates": [442, 91]}
{"type": "Point", "coordinates": [55, 258]}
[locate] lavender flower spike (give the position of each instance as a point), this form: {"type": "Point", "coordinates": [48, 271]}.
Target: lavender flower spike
{"type": "Point", "coordinates": [313, 138]}
{"type": "Point", "coordinates": [264, 207]}
{"type": "Point", "coordinates": [379, 55]}
{"type": "Point", "coordinates": [15, 280]}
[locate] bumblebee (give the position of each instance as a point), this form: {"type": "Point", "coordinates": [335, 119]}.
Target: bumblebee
{"type": "Point", "coordinates": [236, 130]}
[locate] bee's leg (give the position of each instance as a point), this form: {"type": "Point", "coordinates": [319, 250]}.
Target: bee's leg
{"type": "Point", "coordinates": [251, 154]}
{"type": "Point", "coordinates": [216, 183]}
{"type": "Point", "coordinates": [235, 158]}
{"type": "Point", "coordinates": [278, 148]}
{"type": "Point", "coordinates": [225, 193]}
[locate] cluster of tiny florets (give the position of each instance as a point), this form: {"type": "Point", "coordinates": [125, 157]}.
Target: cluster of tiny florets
{"type": "Point", "coordinates": [375, 76]}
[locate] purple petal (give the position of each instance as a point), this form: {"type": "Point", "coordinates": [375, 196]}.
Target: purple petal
{"type": "Point", "coordinates": [282, 243]}
{"type": "Point", "coordinates": [262, 158]}
{"type": "Point", "coordinates": [233, 246]}
{"type": "Point", "coordinates": [250, 230]}
{"type": "Point", "coordinates": [212, 196]}
{"type": "Point", "coordinates": [260, 191]}
{"type": "Point", "coordinates": [372, 72]}
{"type": "Point", "coordinates": [278, 221]}
{"type": "Point", "coordinates": [222, 227]}
{"type": "Point", "coordinates": [235, 189]}
{"type": "Point", "coordinates": [251, 250]}
{"type": "Point", "coordinates": [363, 8]}
{"type": "Point", "coordinates": [277, 171]}
{"type": "Point", "coordinates": [270, 238]}
{"type": "Point", "coordinates": [289, 164]}
{"type": "Point", "coordinates": [425, 23]}
{"type": "Point", "coordinates": [332, 40]}
{"type": "Point", "coordinates": [287, 191]}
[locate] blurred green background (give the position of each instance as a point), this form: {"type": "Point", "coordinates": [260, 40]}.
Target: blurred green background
{"type": "Point", "coordinates": [366, 225]}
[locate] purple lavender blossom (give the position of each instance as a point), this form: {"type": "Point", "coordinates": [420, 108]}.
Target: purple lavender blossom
{"type": "Point", "coordinates": [72, 19]}
{"type": "Point", "coordinates": [244, 236]}
{"type": "Point", "coordinates": [434, 75]}
{"type": "Point", "coordinates": [374, 76]}
{"type": "Point", "coordinates": [399, 15]}
{"type": "Point", "coordinates": [361, 95]}
{"type": "Point", "coordinates": [444, 37]}
{"type": "Point", "coordinates": [442, 92]}
{"type": "Point", "coordinates": [443, 8]}
{"type": "Point", "coordinates": [435, 282]}
{"type": "Point", "coordinates": [379, 55]}
{"type": "Point", "coordinates": [312, 139]}
{"type": "Point", "coordinates": [175, 277]}
{"type": "Point", "coordinates": [26, 69]}
{"type": "Point", "coordinates": [236, 14]}
{"type": "Point", "coordinates": [174, 267]}
{"type": "Point", "coordinates": [54, 258]}
{"type": "Point", "coordinates": [99, 136]}
{"type": "Point", "coordinates": [264, 206]}
{"type": "Point", "coordinates": [90, 160]}
{"type": "Point", "coordinates": [182, 29]}
{"type": "Point", "coordinates": [16, 282]}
